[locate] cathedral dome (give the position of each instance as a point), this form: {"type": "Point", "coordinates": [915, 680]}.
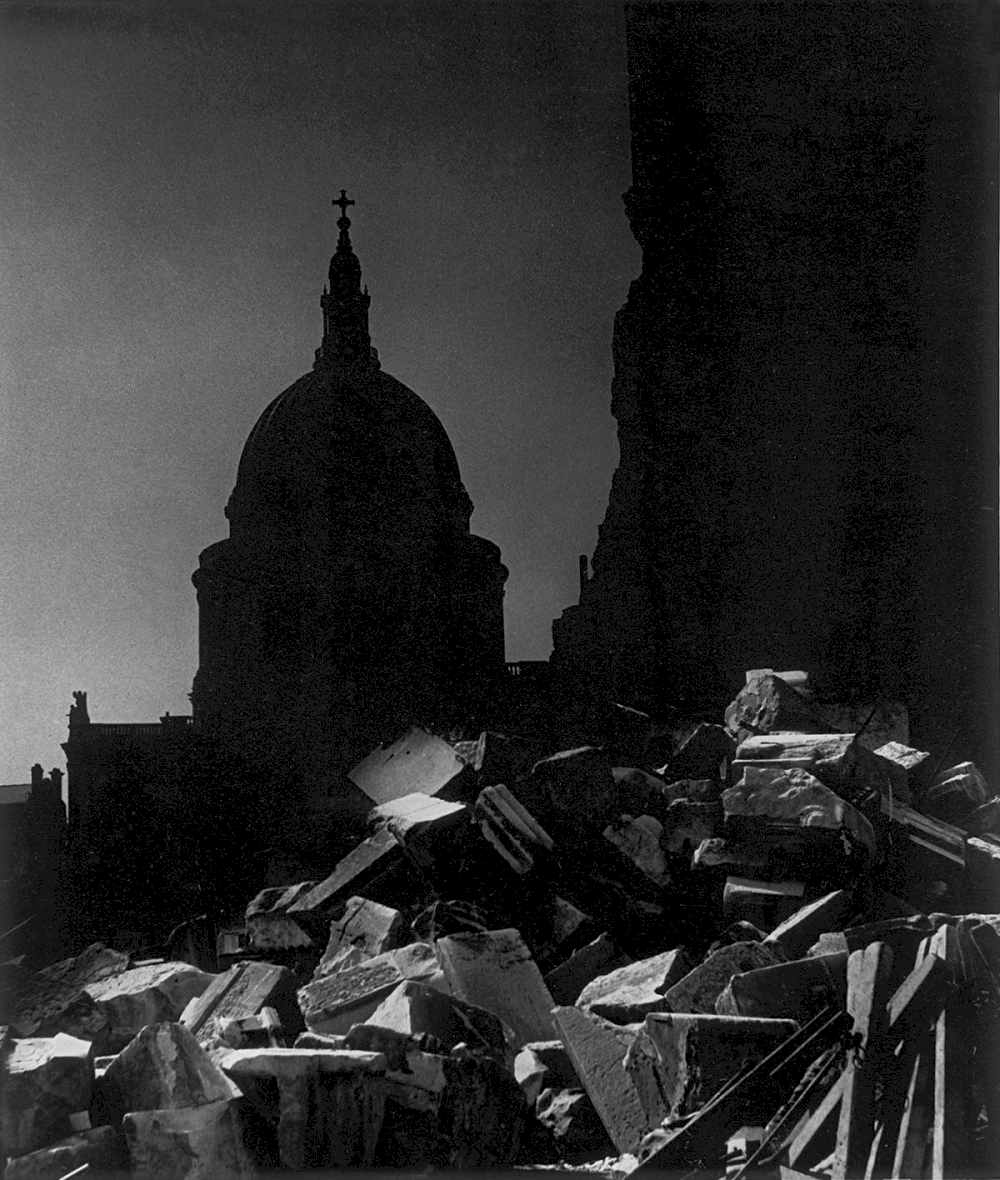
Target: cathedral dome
{"type": "Point", "coordinates": [360, 434]}
{"type": "Point", "coordinates": [347, 446]}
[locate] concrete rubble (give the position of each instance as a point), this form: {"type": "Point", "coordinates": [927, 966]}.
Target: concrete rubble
{"type": "Point", "coordinates": [770, 947]}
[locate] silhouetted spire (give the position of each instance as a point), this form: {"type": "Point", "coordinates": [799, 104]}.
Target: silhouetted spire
{"type": "Point", "coordinates": [345, 304]}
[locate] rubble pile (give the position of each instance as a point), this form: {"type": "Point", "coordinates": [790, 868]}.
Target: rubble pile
{"type": "Point", "coordinates": [769, 949]}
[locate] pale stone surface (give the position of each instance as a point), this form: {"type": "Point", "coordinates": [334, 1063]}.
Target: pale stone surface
{"type": "Point", "coordinates": [798, 933]}
{"type": "Point", "coordinates": [789, 795]}
{"type": "Point", "coordinates": [494, 970]}
{"type": "Point", "coordinates": [529, 1072]}
{"type": "Point", "coordinates": [905, 757]}
{"type": "Point", "coordinates": [366, 929]}
{"type": "Point", "coordinates": [418, 762]}
{"type": "Point", "coordinates": [420, 823]}
{"type": "Point", "coordinates": [768, 704]}
{"type": "Point", "coordinates": [244, 990]}
{"type": "Point", "coordinates": [678, 1062]}
{"type": "Point", "coordinates": [700, 988]}
{"type": "Point", "coordinates": [625, 996]}
{"type": "Point", "coordinates": [641, 844]}
{"type": "Point", "coordinates": [102, 1149]}
{"type": "Point", "coordinates": [268, 922]}
{"type": "Point", "coordinates": [415, 1008]}
{"type": "Point", "coordinates": [54, 999]}
{"type": "Point", "coordinates": [335, 1002]}
{"type": "Point", "coordinates": [164, 1067]}
{"type": "Point", "coordinates": [837, 760]}
{"type": "Point", "coordinates": [597, 1050]}
{"type": "Point", "coordinates": [147, 995]}
{"type": "Point", "coordinates": [600, 957]}
{"type": "Point", "coordinates": [44, 1081]}
{"type": "Point", "coordinates": [194, 1143]}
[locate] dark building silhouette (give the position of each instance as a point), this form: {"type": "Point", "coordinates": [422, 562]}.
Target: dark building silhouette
{"type": "Point", "coordinates": [805, 370]}
{"type": "Point", "coordinates": [350, 597]}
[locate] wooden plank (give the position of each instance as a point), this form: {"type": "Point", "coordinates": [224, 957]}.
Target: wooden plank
{"type": "Point", "coordinates": [950, 1108]}
{"type": "Point", "coordinates": [868, 981]}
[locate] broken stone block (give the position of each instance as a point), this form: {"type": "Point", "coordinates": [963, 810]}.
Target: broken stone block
{"type": "Point", "coordinates": [795, 990]}
{"type": "Point", "coordinates": [785, 795]}
{"type": "Point", "coordinates": [600, 957]}
{"type": "Point", "coordinates": [551, 926]}
{"type": "Point", "coordinates": [101, 1150]}
{"type": "Point", "coordinates": [700, 988]}
{"type": "Point", "coordinates": [415, 1008]}
{"type": "Point", "coordinates": [983, 820]}
{"type": "Point", "coordinates": [837, 760]}
{"type": "Point", "coordinates": [511, 829]}
{"type": "Point", "coordinates": [639, 840]}
{"type": "Point", "coordinates": [901, 761]}
{"type": "Point", "coordinates": [54, 999]}
{"type": "Point", "coordinates": [797, 933]}
{"type": "Point", "coordinates": [768, 704]}
{"type": "Point", "coordinates": [43, 1082]}
{"type": "Point", "coordinates": [163, 1068]}
{"type": "Point", "coordinates": [626, 995]}
{"type": "Point", "coordinates": [677, 1062]}
{"type": "Point", "coordinates": [146, 995]}
{"type": "Point", "coordinates": [691, 790]}
{"type": "Point", "coordinates": [427, 828]}
{"type": "Point", "coordinates": [244, 990]}
{"type": "Point", "coordinates": [954, 793]}
{"type": "Point", "coordinates": [447, 917]}
{"type": "Point", "coordinates": [333, 1003]}
{"type": "Point", "coordinates": [495, 971]}
{"type": "Point", "coordinates": [330, 1103]}
{"type": "Point", "coordinates": [876, 723]}
{"type": "Point", "coordinates": [418, 762]}
{"type": "Point", "coordinates": [579, 788]}
{"type": "Point", "coordinates": [375, 869]}
{"type": "Point", "coordinates": [765, 904]}
{"type": "Point", "coordinates": [193, 1143]}
{"type": "Point", "coordinates": [268, 923]}
{"type": "Point", "coordinates": [576, 1128]}
{"type": "Point", "coordinates": [365, 927]}
{"type": "Point", "coordinates": [597, 1050]}
{"type": "Point", "coordinates": [720, 852]}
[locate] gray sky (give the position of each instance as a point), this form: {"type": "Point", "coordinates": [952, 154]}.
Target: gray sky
{"type": "Point", "coordinates": [165, 179]}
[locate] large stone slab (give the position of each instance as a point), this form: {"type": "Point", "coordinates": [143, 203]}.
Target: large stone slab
{"type": "Point", "coordinates": [193, 1143]}
{"type": "Point", "coordinates": [838, 760]}
{"type": "Point", "coordinates": [414, 1008]}
{"type": "Point", "coordinates": [335, 1002]}
{"type": "Point", "coordinates": [417, 762]}
{"type": "Point", "coordinates": [101, 1150]}
{"type": "Point", "coordinates": [495, 971]}
{"type": "Point", "coordinates": [799, 931]}
{"type": "Point", "coordinates": [372, 869]}
{"type": "Point", "coordinates": [700, 988]}
{"type": "Point", "coordinates": [43, 1080]}
{"type": "Point", "coordinates": [678, 1062]}
{"type": "Point", "coordinates": [54, 999]}
{"type": "Point", "coordinates": [163, 1068]}
{"type": "Point", "coordinates": [599, 957]}
{"type": "Point", "coordinates": [427, 828]}
{"type": "Point", "coordinates": [765, 904]}
{"type": "Point", "coordinates": [789, 795]}
{"type": "Point", "coordinates": [597, 1050]}
{"type": "Point", "coordinates": [330, 1102]}
{"type": "Point", "coordinates": [146, 995]}
{"type": "Point", "coordinates": [768, 704]}
{"type": "Point", "coordinates": [795, 990]}
{"type": "Point", "coordinates": [364, 930]}
{"type": "Point", "coordinates": [244, 990]}
{"type": "Point", "coordinates": [625, 995]}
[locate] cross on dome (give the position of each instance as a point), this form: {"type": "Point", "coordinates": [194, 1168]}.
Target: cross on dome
{"type": "Point", "coordinates": [342, 202]}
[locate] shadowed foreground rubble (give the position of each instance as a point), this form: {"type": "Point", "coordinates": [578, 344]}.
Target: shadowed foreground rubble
{"type": "Point", "coordinates": [765, 947]}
